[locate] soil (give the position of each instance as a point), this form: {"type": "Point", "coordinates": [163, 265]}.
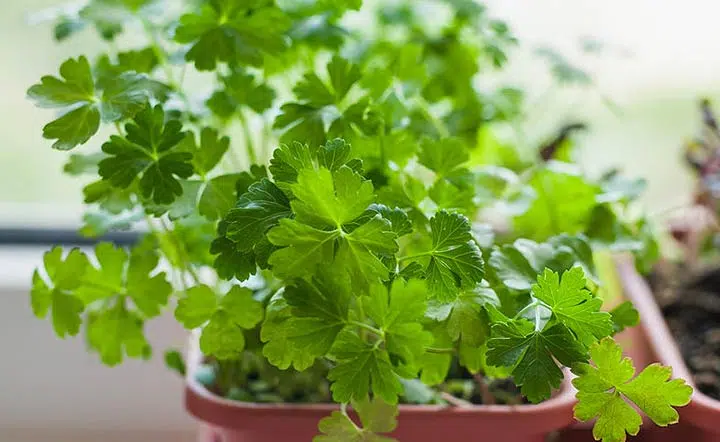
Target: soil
{"type": "Point", "coordinates": [232, 382]}
{"type": "Point", "coordinates": [690, 301]}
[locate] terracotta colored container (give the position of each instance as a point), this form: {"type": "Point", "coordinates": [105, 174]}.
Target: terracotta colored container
{"type": "Point", "coordinates": [699, 420]}
{"type": "Point", "coordinates": [230, 421]}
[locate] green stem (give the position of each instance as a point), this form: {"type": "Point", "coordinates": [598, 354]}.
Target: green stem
{"type": "Point", "coordinates": [438, 124]}
{"type": "Point", "coordinates": [362, 325]}
{"type": "Point", "coordinates": [416, 255]}
{"type": "Point", "coordinates": [249, 147]}
{"type": "Point", "coordinates": [182, 253]}
{"type": "Point", "coordinates": [440, 350]}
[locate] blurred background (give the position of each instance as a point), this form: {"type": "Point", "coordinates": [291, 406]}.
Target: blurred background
{"type": "Point", "coordinates": [644, 65]}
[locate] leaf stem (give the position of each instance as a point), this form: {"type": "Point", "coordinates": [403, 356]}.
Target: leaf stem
{"type": "Point", "coordinates": [415, 255]}
{"type": "Point", "coordinates": [368, 327]}
{"type": "Point", "coordinates": [249, 147]}
{"type": "Point", "coordinates": [440, 350]}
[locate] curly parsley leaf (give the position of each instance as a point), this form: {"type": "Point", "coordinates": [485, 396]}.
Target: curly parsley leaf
{"type": "Point", "coordinates": [148, 153]}
{"type": "Point", "coordinates": [573, 305]}
{"type": "Point", "coordinates": [233, 31]}
{"type": "Point", "coordinates": [605, 388]}
{"type": "Point", "coordinates": [376, 416]}
{"type": "Point", "coordinates": [224, 318]}
{"type": "Point", "coordinates": [532, 354]}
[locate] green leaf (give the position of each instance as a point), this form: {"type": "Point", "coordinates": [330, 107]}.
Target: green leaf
{"type": "Point", "coordinates": [304, 322]}
{"type": "Point", "coordinates": [330, 199]}
{"type": "Point", "coordinates": [218, 196]}
{"type": "Point", "coordinates": [224, 317]}
{"type": "Point", "coordinates": [623, 316]}
{"type": "Point", "coordinates": [455, 260]}
{"type": "Point", "coordinates": [574, 305]}
{"type": "Point", "coordinates": [518, 264]}
{"type": "Point", "coordinates": [362, 367]}
{"type": "Point", "coordinates": [240, 90]}
{"type": "Point", "coordinates": [376, 417]}
{"type": "Point", "coordinates": [148, 153]}
{"type": "Point", "coordinates": [115, 332]}
{"type": "Point", "coordinates": [290, 159]}
{"type": "Point", "coordinates": [563, 204]}
{"type": "Point", "coordinates": [468, 321]}
{"type": "Point", "coordinates": [532, 353]}
{"type": "Point", "coordinates": [443, 156]}
{"type": "Point", "coordinates": [175, 362]}
{"type": "Point", "coordinates": [210, 151]}
{"type": "Point", "coordinates": [79, 164]}
{"type": "Point", "coordinates": [232, 31]}
{"type": "Point", "coordinates": [303, 248]}
{"type": "Point", "coordinates": [398, 312]}
{"type": "Point", "coordinates": [605, 388]}
{"type": "Point", "coordinates": [84, 102]}
{"type": "Point", "coordinates": [305, 120]}
{"type": "Point", "coordinates": [358, 253]}
{"type": "Point", "coordinates": [57, 294]}
{"type": "Point", "coordinates": [75, 93]}
{"type": "Point", "coordinates": [256, 212]}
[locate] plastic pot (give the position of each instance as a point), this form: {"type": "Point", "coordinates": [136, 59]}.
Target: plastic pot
{"type": "Point", "coordinates": [700, 419]}
{"type": "Point", "coordinates": [224, 420]}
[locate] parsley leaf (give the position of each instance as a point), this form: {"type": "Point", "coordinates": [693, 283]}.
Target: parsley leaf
{"type": "Point", "coordinates": [574, 305]}
{"type": "Point", "coordinates": [532, 355]}
{"type": "Point", "coordinates": [148, 152]}
{"type": "Point", "coordinates": [623, 316]}
{"type": "Point", "coordinates": [604, 388]}
{"type": "Point", "coordinates": [305, 120]}
{"type": "Point", "coordinates": [232, 31]}
{"type": "Point", "coordinates": [376, 416]}
{"type": "Point", "coordinates": [224, 318]}
{"type": "Point", "coordinates": [58, 293]}
{"type": "Point", "coordinates": [117, 331]}
{"type": "Point", "coordinates": [257, 210]}
{"type": "Point", "coordinates": [563, 203]}
{"type": "Point", "coordinates": [303, 323]}
{"type": "Point", "coordinates": [443, 156]}
{"type": "Point", "coordinates": [362, 367]}
{"type": "Point", "coordinates": [75, 92]}
{"type": "Point", "coordinates": [85, 101]}
{"type": "Point", "coordinates": [518, 264]}
{"type": "Point", "coordinates": [455, 260]}
{"type": "Point", "coordinates": [240, 90]}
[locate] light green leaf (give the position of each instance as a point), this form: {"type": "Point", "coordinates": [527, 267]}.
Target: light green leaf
{"type": "Point", "coordinates": [604, 388]}
{"type": "Point", "coordinates": [574, 305]}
